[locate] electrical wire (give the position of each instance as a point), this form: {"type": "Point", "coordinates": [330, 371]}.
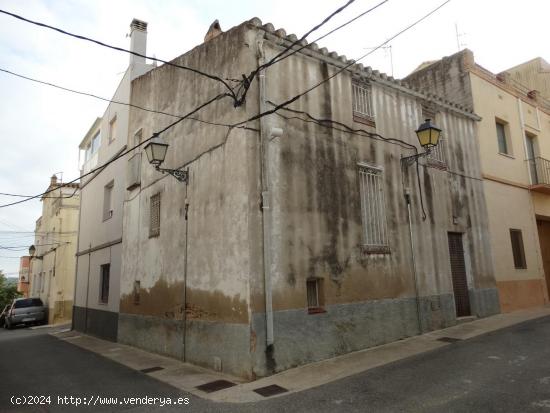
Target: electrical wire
{"type": "Point", "coordinates": [305, 92]}
{"type": "Point", "coordinates": [66, 89]}
{"type": "Point", "coordinates": [281, 56]}
{"type": "Point", "coordinates": [120, 49]}
{"type": "Point", "coordinates": [102, 167]}
{"type": "Point", "coordinates": [294, 51]}
{"type": "Point", "coordinates": [247, 80]}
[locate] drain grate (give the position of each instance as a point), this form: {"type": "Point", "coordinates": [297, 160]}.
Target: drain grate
{"type": "Point", "coordinates": [152, 369]}
{"type": "Point", "coordinates": [270, 390]}
{"type": "Point", "coordinates": [215, 386]}
{"type": "Point", "coordinates": [449, 339]}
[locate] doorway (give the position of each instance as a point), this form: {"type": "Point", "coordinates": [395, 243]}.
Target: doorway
{"type": "Point", "coordinates": [458, 273]}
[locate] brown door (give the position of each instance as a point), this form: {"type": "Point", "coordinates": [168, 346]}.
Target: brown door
{"type": "Point", "coordinates": [458, 272]}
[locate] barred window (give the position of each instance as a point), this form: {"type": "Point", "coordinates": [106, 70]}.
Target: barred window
{"type": "Point", "coordinates": [154, 217]}
{"type": "Point", "coordinates": [373, 209]}
{"type": "Point", "coordinates": [362, 100]}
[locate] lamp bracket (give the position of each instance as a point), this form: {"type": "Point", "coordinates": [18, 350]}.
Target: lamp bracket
{"type": "Point", "coordinates": [409, 160]}
{"type": "Point", "coordinates": [182, 176]}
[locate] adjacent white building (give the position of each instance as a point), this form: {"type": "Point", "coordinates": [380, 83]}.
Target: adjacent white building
{"type": "Point", "coordinates": [96, 300]}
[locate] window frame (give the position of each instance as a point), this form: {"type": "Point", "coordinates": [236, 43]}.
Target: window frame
{"type": "Point", "coordinates": [518, 255]}
{"type": "Point", "coordinates": [104, 287]}
{"type": "Point", "coordinates": [318, 306]}
{"type": "Point", "coordinates": [359, 115]}
{"type": "Point", "coordinates": [374, 176]}
{"type": "Point", "coordinates": [108, 195]}
{"type": "Point", "coordinates": [505, 138]}
{"type": "Point", "coordinates": [154, 231]}
{"type": "Point", "coordinates": [112, 127]}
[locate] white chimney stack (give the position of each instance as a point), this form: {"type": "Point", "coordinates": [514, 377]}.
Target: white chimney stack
{"type": "Point", "coordinates": [138, 41]}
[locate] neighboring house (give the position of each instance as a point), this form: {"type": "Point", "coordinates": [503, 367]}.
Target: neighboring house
{"type": "Point", "coordinates": [514, 145]}
{"type": "Point", "coordinates": [102, 195]}
{"type": "Point", "coordinates": [532, 76]}
{"type": "Point", "coordinates": [53, 261]}
{"type": "Point", "coordinates": [291, 241]}
{"type": "Point", "coordinates": [24, 276]}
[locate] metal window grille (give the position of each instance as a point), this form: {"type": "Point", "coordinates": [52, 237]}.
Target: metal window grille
{"type": "Point", "coordinates": [154, 221]}
{"type": "Point", "coordinates": [312, 293]}
{"type": "Point", "coordinates": [438, 152]}
{"type": "Point", "coordinates": [362, 100]}
{"type": "Point", "coordinates": [105, 273]}
{"type": "Point", "coordinates": [373, 208]}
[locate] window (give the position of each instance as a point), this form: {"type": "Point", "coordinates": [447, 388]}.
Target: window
{"type": "Point", "coordinates": [154, 216]}
{"type": "Point", "coordinates": [112, 129]}
{"type": "Point", "coordinates": [108, 200]}
{"type": "Point", "coordinates": [137, 289]}
{"type": "Point", "coordinates": [96, 141]}
{"type": "Point", "coordinates": [517, 249]}
{"type": "Point", "coordinates": [501, 138]}
{"type": "Point", "coordinates": [138, 136]}
{"type": "Point", "coordinates": [314, 295]}
{"type": "Point", "coordinates": [373, 209]}
{"type": "Point", "coordinates": [362, 100]}
{"type": "Point", "coordinates": [104, 275]}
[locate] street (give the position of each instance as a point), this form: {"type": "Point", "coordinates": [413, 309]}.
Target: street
{"type": "Point", "coordinates": [504, 371]}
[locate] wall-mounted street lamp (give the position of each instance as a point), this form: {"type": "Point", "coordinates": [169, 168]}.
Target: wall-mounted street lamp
{"type": "Point", "coordinates": [32, 251]}
{"type": "Point", "coordinates": [156, 152]}
{"type": "Point", "coordinates": [428, 136]}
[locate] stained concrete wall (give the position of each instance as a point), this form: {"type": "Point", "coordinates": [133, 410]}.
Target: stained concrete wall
{"type": "Point", "coordinates": [194, 277]}
{"type": "Point", "coordinates": [368, 298]}
{"type": "Point", "coordinates": [201, 280]}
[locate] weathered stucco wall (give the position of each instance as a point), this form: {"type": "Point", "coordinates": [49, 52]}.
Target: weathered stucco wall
{"type": "Point", "coordinates": [368, 298]}
{"type": "Point", "coordinates": [194, 277]}
{"type": "Point", "coordinates": [201, 281]}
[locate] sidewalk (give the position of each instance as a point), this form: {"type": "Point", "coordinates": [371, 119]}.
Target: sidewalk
{"type": "Point", "coordinates": [188, 377]}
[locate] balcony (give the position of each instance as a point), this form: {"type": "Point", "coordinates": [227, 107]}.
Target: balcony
{"type": "Point", "coordinates": [539, 169]}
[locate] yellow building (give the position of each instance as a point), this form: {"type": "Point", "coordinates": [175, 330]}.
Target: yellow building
{"type": "Point", "coordinates": [53, 259]}
{"type": "Point", "coordinates": [514, 144]}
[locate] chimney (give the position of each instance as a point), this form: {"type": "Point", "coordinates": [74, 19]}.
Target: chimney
{"type": "Point", "coordinates": [138, 41]}
{"type": "Point", "coordinates": [213, 31]}
{"type": "Point", "coordinates": [53, 180]}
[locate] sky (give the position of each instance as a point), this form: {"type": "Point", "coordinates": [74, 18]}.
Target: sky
{"type": "Point", "coordinates": [41, 127]}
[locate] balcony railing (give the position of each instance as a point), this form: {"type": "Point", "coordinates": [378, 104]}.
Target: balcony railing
{"type": "Point", "coordinates": [539, 169]}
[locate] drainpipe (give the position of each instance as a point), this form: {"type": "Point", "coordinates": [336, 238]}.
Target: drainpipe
{"type": "Point", "coordinates": [185, 272]}
{"type": "Point", "coordinates": [266, 215]}
{"type": "Point", "coordinates": [413, 259]}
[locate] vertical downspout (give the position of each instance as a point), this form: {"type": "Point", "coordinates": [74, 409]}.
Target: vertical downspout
{"type": "Point", "coordinates": [413, 259]}
{"type": "Point", "coordinates": [264, 160]}
{"type": "Point", "coordinates": [185, 268]}
{"type": "Point", "coordinates": [88, 288]}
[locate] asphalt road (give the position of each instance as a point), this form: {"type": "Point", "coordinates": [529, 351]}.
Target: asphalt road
{"type": "Point", "coordinates": [504, 371]}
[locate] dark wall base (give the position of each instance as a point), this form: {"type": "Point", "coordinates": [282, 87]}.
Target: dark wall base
{"type": "Point", "coordinates": [99, 323]}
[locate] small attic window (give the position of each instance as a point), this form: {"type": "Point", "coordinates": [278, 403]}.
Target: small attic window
{"type": "Point", "coordinates": [362, 103]}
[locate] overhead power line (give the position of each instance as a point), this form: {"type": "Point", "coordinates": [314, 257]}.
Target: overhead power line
{"type": "Point", "coordinates": [120, 49]}
{"type": "Point", "coordinates": [66, 89]}
{"type": "Point", "coordinates": [305, 92]}
{"type": "Point", "coordinates": [103, 166]}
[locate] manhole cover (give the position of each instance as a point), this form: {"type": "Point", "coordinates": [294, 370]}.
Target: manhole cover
{"type": "Point", "coordinates": [449, 339]}
{"type": "Point", "coordinates": [270, 390]}
{"type": "Point", "coordinates": [152, 369]}
{"type": "Point", "coordinates": [215, 386]}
